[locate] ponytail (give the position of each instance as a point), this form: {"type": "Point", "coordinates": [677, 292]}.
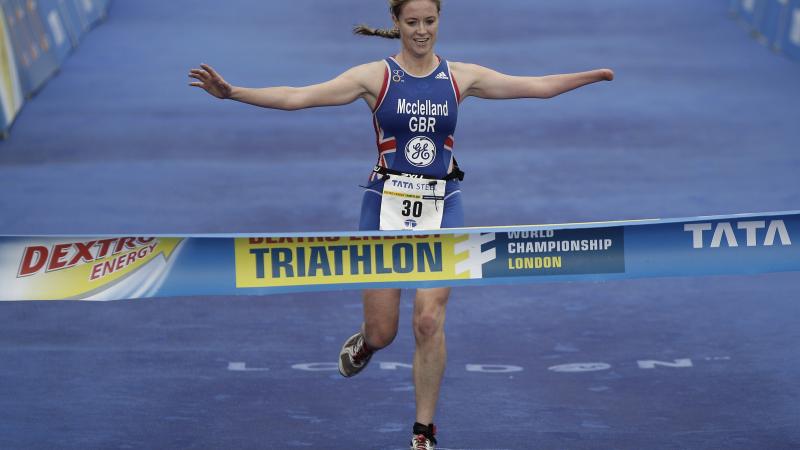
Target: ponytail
{"type": "Point", "coordinates": [395, 7]}
{"type": "Point", "coordinates": [364, 30]}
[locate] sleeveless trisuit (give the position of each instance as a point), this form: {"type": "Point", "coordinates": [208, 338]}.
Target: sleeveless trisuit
{"type": "Point", "coordinates": [412, 112]}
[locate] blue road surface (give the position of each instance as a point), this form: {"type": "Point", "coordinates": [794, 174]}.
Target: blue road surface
{"type": "Point", "coordinates": [701, 120]}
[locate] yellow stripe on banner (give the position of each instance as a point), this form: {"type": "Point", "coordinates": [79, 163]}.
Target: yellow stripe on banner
{"type": "Point", "coordinates": [266, 262]}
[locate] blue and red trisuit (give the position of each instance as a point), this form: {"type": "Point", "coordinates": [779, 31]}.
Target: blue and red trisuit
{"type": "Point", "coordinates": [414, 184]}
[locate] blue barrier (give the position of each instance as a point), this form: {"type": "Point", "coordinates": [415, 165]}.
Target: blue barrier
{"type": "Point", "coordinates": [769, 22]}
{"type": "Point", "coordinates": [89, 12]}
{"type": "Point", "coordinates": [35, 38]}
{"type": "Point", "coordinates": [73, 20]}
{"type": "Point", "coordinates": [32, 47]}
{"type": "Point", "coordinates": [749, 12]}
{"type": "Point", "coordinates": [56, 28]}
{"type": "Point", "coordinates": [789, 37]}
{"type": "Point", "coordinates": [10, 90]}
{"type": "Point", "coordinates": [774, 23]}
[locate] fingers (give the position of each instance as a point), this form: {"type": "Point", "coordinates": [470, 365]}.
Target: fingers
{"type": "Point", "coordinates": [210, 70]}
{"type": "Point", "coordinates": [210, 80]}
{"type": "Point", "coordinates": [201, 75]}
{"type": "Point", "coordinates": [207, 73]}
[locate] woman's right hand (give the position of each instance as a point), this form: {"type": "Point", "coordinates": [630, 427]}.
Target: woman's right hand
{"type": "Point", "coordinates": [211, 82]}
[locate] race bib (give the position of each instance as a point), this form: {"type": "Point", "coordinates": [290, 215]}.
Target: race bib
{"type": "Point", "coordinates": [410, 203]}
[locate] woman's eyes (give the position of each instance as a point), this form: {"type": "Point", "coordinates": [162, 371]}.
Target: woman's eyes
{"type": "Point", "coordinates": [427, 22]}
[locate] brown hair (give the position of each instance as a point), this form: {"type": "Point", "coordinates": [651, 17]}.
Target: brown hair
{"type": "Point", "coordinates": [395, 7]}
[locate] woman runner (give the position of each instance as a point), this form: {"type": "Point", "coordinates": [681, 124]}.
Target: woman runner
{"type": "Point", "coordinates": [414, 98]}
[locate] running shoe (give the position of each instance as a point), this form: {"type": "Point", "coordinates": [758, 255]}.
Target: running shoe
{"type": "Point", "coordinates": [423, 437]}
{"type": "Point", "coordinates": [420, 442]}
{"type": "Point", "coordinates": [354, 355]}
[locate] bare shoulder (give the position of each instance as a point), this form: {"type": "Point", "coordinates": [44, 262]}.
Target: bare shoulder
{"type": "Point", "coordinates": [467, 71]}
{"type": "Point", "coordinates": [457, 66]}
{"type": "Point", "coordinates": [374, 67]}
{"type": "Point", "coordinates": [466, 74]}
{"type": "Point", "coordinates": [462, 68]}
{"type": "Point", "coordinates": [369, 76]}
{"type": "Point", "coordinates": [369, 71]}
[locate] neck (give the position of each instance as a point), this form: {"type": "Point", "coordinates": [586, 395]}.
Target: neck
{"type": "Point", "coordinates": [417, 64]}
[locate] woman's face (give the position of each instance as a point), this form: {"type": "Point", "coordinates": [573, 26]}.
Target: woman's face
{"type": "Point", "coordinates": [418, 24]}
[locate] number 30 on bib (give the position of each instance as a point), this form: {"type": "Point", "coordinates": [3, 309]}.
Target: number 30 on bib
{"type": "Point", "coordinates": [410, 203]}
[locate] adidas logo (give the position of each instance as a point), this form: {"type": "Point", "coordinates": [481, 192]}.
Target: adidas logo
{"type": "Point", "coordinates": [442, 76]}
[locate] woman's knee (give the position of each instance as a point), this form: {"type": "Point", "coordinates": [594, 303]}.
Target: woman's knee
{"type": "Point", "coordinates": [381, 314]}
{"type": "Point", "coordinates": [429, 312]}
{"type": "Point", "coordinates": [380, 333]}
{"type": "Point", "coordinates": [428, 324]}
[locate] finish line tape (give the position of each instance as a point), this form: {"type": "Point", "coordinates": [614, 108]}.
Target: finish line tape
{"type": "Point", "coordinates": [127, 267]}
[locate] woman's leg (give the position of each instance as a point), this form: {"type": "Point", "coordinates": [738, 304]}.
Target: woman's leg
{"type": "Point", "coordinates": [431, 354]}
{"type": "Point", "coordinates": [381, 314]}
{"type": "Point", "coordinates": [381, 306]}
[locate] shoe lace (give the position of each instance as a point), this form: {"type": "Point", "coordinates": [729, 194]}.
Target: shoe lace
{"type": "Point", "coordinates": [421, 442]}
{"type": "Point", "coordinates": [361, 351]}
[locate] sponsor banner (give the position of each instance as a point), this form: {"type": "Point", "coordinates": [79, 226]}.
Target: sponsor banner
{"type": "Point", "coordinates": [33, 48]}
{"type": "Point", "coordinates": [10, 89]}
{"type": "Point", "coordinates": [58, 268]}
{"type": "Point", "coordinates": [124, 267]}
{"type": "Point", "coordinates": [280, 262]}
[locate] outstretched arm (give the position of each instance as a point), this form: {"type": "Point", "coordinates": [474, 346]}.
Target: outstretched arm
{"type": "Point", "coordinates": [346, 88]}
{"type": "Point", "coordinates": [482, 82]}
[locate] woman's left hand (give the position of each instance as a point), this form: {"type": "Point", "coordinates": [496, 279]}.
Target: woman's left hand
{"type": "Point", "coordinates": [211, 81]}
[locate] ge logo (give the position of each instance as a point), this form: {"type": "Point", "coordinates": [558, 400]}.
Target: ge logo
{"type": "Point", "coordinates": [397, 76]}
{"type": "Point", "coordinates": [420, 151]}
